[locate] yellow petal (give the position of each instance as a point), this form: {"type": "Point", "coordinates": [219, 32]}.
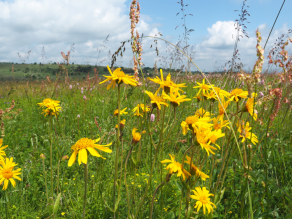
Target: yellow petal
{"type": "Point", "coordinates": [72, 159]}
{"type": "Point", "coordinates": [83, 155]}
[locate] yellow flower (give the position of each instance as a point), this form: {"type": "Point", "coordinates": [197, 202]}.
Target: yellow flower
{"type": "Point", "coordinates": [166, 84]}
{"type": "Point", "coordinates": [225, 105]}
{"type": "Point", "coordinates": [136, 136]}
{"type": "Point", "coordinates": [201, 113]}
{"type": "Point", "coordinates": [176, 167]}
{"type": "Point", "coordinates": [203, 136]}
{"type": "Point", "coordinates": [136, 110]}
{"type": "Point", "coordinates": [52, 107]}
{"type": "Point", "coordinates": [196, 170]}
{"type": "Point", "coordinates": [156, 100]}
{"type": "Point", "coordinates": [63, 213]}
{"type": "Point", "coordinates": [203, 200]}
{"type": "Point", "coordinates": [175, 98]}
{"type": "Point", "coordinates": [121, 113]}
{"type": "Point", "coordinates": [219, 123]}
{"type": "Point", "coordinates": [118, 77]}
{"type": "Point", "coordinates": [203, 87]}
{"type": "Point", "coordinates": [82, 146]}
{"type": "Point", "coordinates": [245, 133]}
{"type": "Point", "coordinates": [237, 94]}
{"type": "Point", "coordinates": [249, 107]}
{"type": "Point", "coordinates": [2, 152]}
{"type": "Point", "coordinates": [122, 124]}
{"type": "Point", "coordinates": [194, 121]}
{"type": "Point", "coordinates": [8, 174]}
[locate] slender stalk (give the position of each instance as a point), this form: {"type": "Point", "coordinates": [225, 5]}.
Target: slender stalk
{"type": "Point", "coordinates": [161, 165]}
{"type": "Point", "coordinates": [45, 175]}
{"type": "Point", "coordinates": [51, 156]}
{"type": "Point", "coordinates": [6, 202]}
{"type": "Point", "coordinates": [125, 175]}
{"type": "Point", "coordinates": [117, 150]}
{"type": "Point", "coordinates": [85, 188]}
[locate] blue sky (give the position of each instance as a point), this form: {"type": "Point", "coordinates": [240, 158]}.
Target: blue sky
{"type": "Point", "coordinates": [56, 24]}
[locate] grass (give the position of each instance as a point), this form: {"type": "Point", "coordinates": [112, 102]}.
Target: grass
{"type": "Point", "coordinates": [248, 180]}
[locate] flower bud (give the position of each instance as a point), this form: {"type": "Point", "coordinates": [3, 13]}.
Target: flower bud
{"type": "Point", "coordinates": [65, 157]}
{"type": "Point", "coordinates": [42, 156]}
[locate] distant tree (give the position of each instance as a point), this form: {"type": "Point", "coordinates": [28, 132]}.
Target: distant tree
{"type": "Point", "coordinates": [35, 63]}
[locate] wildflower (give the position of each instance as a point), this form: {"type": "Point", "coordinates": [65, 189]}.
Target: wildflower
{"type": "Point", "coordinates": [136, 136]}
{"type": "Point", "coordinates": [152, 118]}
{"type": "Point", "coordinates": [261, 94]}
{"type": "Point", "coordinates": [82, 146]}
{"type": "Point", "coordinates": [2, 152]}
{"type": "Point", "coordinates": [249, 107]}
{"type": "Point", "coordinates": [176, 167]}
{"type": "Point", "coordinates": [219, 123]}
{"type": "Point", "coordinates": [122, 124]}
{"type": "Point", "coordinates": [63, 213]}
{"type": "Point", "coordinates": [245, 133]}
{"type": "Point", "coordinates": [156, 100]}
{"type": "Point", "coordinates": [166, 84]}
{"type": "Point", "coordinates": [201, 113]}
{"type": "Point", "coordinates": [222, 107]}
{"type": "Point", "coordinates": [8, 174]}
{"type": "Point", "coordinates": [136, 109]}
{"type": "Point", "coordinates": [192, 121]}
{"type": "Point", "coordinates": [65, 157]}
{"type": "Point", "coordinates": [203, 139]}
{"type": "Point", "coordinates": [123, 112]}
{"type": "Point", "coordinates": [202, 197]}
{"type": "Point", "coordinates": [70, 87]}
{"type": "Point", "coordinates": [175, 98]}
{"type": "Point", "coordinates": [237, 94]}
{"type": "Point", "coordinates": [118, 77]}
{"type": "Point", "coordinates": [196, 170]}
{"type": "Point", "coordinates": [203, 87]}
{"type": "Point", "coordinates": [78, 116]}
{"type": "Point", "coordinates": [42, 156]}
{"type": "Point", "coordinates": [84, 97]}
{"type": "Point", "coordinates": [52, 107]}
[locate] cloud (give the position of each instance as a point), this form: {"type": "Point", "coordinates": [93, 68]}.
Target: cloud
{"type": "Point", "coordinates": [57, 24]}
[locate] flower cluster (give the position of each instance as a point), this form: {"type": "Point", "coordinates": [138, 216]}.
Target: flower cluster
{"type": "Point", "coordinates": [51, 107]}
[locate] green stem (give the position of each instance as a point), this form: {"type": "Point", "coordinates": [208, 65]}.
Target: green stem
{"type": "Point", "coordinates": [85, 188]}
{"type": "Point", "coordinates": [45, 175]}
{"type": "Point", "coordinates": [51, 156]}
{"type": "Point", "coordinates": [117, 150]}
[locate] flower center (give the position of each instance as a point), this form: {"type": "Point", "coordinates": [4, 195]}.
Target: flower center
{"type": "Point", "coordinates": [7, 173]}
{"type": "Point", "coordinates": [83, 143]}
{"type": "Point", "coordinates": [205, 87]}
{"type": "Point", "coordinates": [204, 199]}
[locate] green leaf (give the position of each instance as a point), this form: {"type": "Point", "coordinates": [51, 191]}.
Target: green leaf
{"type": "Point", "coordinates": [170, 215]}
{"type": "Point", "coordinates": [57, 203]}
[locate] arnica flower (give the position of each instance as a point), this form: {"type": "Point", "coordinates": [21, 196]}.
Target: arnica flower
{"type": "Point", "coordinates": [176, 167]}
{"type": "Point", "coordinates": [238, 94]}
{"type": "Point", "coordinates": [219, 123]}
{"type": "Point", "coordinates": [203, 87]}
{"type": "Point", "coordinates": [203, 200]}
{"type": "Point", "coordinates": [52, 107]}
{"type": "Point", "coordinates": [136, 110]}
{"type": "Point", "coordinates": [245, 133]}
{"type": "Point", "coordinates": [118, 77]}
{"type": "Point", "coordinates": [175, 98]}
{"type": "Point", "coordinates": [122, 124]}
{"type": "Point", "coordinates": [195, 170]}
{"type": "Point", "coordinates": [2, 152]}
{"type": "Point", "coordinates": [167, 84]}
{"type": "Point", "coordinates": [221, 109]}
{"type": "Point", "coordinates": [203, 138]}
{"type": "Point", "coordinates": [136, 136]}
{"type": "Point", "coordinates": [156, 100]}
{"type": "Point", "coordinates": [8, 174]}
{"type": "Point", "coordinates": [82, 146]}
{"type": "Point", "coordinates": [249, 107]}
{"type": "Point", "coordinates": [193, 121]}
{"type": "Point", "coordinates": [221, 93]}
{"type": "Point", "coordinates": [123, 112]}
{"type": "Point", "coordinates": [201, 113]}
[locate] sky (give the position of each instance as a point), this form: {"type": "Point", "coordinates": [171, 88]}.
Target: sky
{"type": "Point", "coordinates": [48, 27]}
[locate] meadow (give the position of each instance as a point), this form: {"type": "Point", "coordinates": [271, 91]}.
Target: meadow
{"type": "Point", "coordinates": [133, 146]}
